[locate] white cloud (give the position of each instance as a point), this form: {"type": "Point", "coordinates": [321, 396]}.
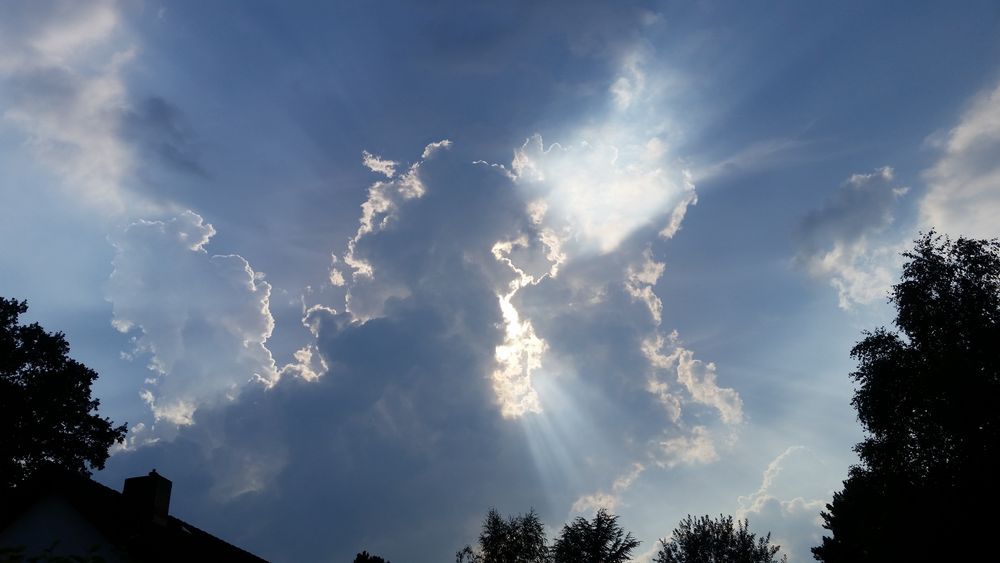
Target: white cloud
{"type": "Point", "coordinates": [963, 196]}
{"type": "Point", "coordinates": [336, 276]}
{"type": "Point", "coordinates": [694, 375]}
{"type": "Point", "coordinates": [788, 503]}
{"type": "Point", "coordinates": [613, 176]}
{"type": "Point", "coordinates": [640, 281]}
{"type": "Point", "coordinates": [55, 34]}
{"type": "Point", "coordinates": [603, 187]}
{"type": "Point", "coordinates": [61, 67]}
{"type": "Point", "coordinates": [308, 364]}
{"type": "Point", "coordinates": [521, 351]}
{"type": "Point", "coordinates": [842, 241]}
{"type": "Point", "coordinates": [202, 319]}
{"type": "Point", "coordinates": [860, 273]}
{"type": "Point", "coordinates": [610, 501]}
{"type": "Point", "coordinates": [693, 448]}
{"type": "Point", "coordinates": [629, 85]}
{"type": "Point", "coordinates": [380, 165]}
{"type": "Point", "coordinates": [434, 147]}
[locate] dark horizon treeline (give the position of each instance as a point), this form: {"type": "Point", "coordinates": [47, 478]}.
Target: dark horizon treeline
{"type": "Point", "coordinates": [521, 539]}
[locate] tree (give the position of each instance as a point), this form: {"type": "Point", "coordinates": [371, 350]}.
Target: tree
{"type": "Point", "coordinates": [47, 416]}
{"type": "Point", "coordinates": [601, 540]}
{"type": "Point", "coordinates": [705, 540]}
{"type": "Point", "coordinates": [517, 539]}
{"type": "Point", "coordinates": [927, 396]}
{"type": "Point", "coordinates": [467, 555]}
{"type": "Point", "coordinates": [365, 557]}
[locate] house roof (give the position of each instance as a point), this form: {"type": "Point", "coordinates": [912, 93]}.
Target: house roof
{"type": "Point", "coordinates": [140, 535]}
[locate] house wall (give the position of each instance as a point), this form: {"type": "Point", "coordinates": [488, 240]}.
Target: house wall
{"type": "Point", "coordinates": [53, 521]}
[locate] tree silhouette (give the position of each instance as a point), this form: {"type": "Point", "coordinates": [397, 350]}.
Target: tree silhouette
{"type": "Point", "coordinates": [601, 540]}
{"type": "Point", "coordinates": [517, 539]}
{"type": "Point", "coordinates": [467, 555]}
{"type": "Point", "coordinates": [47, 416]}
{"type": "Point", "coordinates": [365, 557]}
{"type": "Point", "coordinates": [706, 540]}
{"type": "Point", "coordinates": [927, 397]}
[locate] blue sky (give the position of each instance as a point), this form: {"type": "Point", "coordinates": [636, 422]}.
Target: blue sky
{"type": "Point", "coordinates": [355, 272]}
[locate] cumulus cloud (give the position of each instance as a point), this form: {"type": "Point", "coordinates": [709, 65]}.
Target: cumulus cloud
{"type": "Point", "coordinates": [521, 351]}
{"type": "Point", "coordinates": [842, 241]}
{"type": "Point", "coordinates": [401, 413]}
{"type": "Point", "coordinates": [61, 65]}
{"type": "Point", "coordinates": [613, 176]}
{"type": "Point", "coordinates": [601, 188]}
{"type": "Point", "coordinates": [385, 393]}
{"type": "Point", "coordinates": [201, 319]}
{"type": "Point", "coordinates": [963, 197]}
{"type": "Point", "coordinates": [378, 211]}
{"type": "Point", "coordinates": [489, 321]}
{"type": "Point", "coordinates": [788, 503]}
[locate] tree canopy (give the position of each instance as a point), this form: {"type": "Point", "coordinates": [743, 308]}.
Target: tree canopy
{"type": "Point", "coordinates": [707, 540]}
{"type": "Point", "coordinates": [515, 539]}
{"type": "Point", "coordinates": [927, 396]}
{"type": "Point", "coordinates": [47, 415]}
{"type": "Point", "coordinates": [601, 540]}
{"type": "Point", "coordinates": [365, 557]}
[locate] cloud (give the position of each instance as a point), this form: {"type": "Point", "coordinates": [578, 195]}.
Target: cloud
{"type": "Point", "coordinates": [841, 241]}
{"type": "Point", "coordinates": [396, 407]}
{"type": "Point", "coordinates": [160, 129]}
{"type": "Point", "coordinates": [590, 504]}
{"type": "Point", "coordinates": [787, 504]}
{"type": "Point", "coordinates": [759, 155]}
{"type": "Point", "coordinates": [53, 34]}
{"type": "Point", "coordinates": [612, 176]}
{"type": "Point", "coordinates": [641, 281]}
{"type": "Point", "coordinates": [202, 319]}
{"type": "Point", "coordinates": [521, 351]}
{"type": "Point", "coordinates": [365, 297]}
{"type": "Point", "coordinates": [963, 197]}
{"type": "Point", "coordinates": [380, 165]}
{"type": "Point", "coordinates": [489, 351]}
{"type": "Point", "coordinates": [692, 449]}
{"type": "Point", "coordinates": [694, 375]}
{"type": "Point", "coordinates": [601, 189]}
{"type": "Point", "coordinates": [61, 65]}
{"type": "Point", "coordinates": [401, 415]}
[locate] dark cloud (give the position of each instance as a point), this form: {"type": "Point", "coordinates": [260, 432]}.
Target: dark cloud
{"type": "Point", "coordinates": [402, 444]}
{"type": "Point", "coordinates": [399, 448]}
{"type": "Point", "coordinates": [863, 205]}
{"type": "Point", "coordinates": [159, 128]}
{"type": "Point", "coordinates": [840, 241]}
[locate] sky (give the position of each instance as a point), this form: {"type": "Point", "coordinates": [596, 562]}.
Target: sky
{"type": "Point", "coordinates": [356, 272]}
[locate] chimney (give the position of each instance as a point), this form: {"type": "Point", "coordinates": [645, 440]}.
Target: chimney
{"type": "Point", "coordinates": [148, 495]}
